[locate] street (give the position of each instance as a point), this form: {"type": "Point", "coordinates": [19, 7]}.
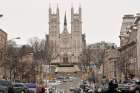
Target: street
{"type": "Point", "coordinates": [69, 46]}
{"type": "Point", "coordinates": [65, 86]}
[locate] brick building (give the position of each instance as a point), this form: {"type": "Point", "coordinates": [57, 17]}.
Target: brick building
{"type": "Point", "coordinates": [3, 45]}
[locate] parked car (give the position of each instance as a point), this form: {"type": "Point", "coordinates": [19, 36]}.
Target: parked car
{"type": "Point", "coordinates": [32, 87]}
{"type": "Point", "coordinates": [77, 90]}
{"type": "Point", "coordinates": [102, 89]}
{"type": "Point", "coordinates": [60, 78]}
{"type": "Point", "coordinates": [6, 86]}
{"type": "Point", "coordinates": [68, 79]}
{"type": "Point", "coordinates": [84, 84]}
{"type": "Point", "coordinates": [60, 91]}
{"type": "Point", "coordinates": [3, 89]}
{"type": "Point", "coordinates": [50, 90]}
{"type": "Point", "coordinates": [20, 88]}
{"type": "Point", "coordinates": [71, 88]}
{"type": "Point", "coordinates": [132, 86]}
{"type": "Point", "coordinates": [54, 82]}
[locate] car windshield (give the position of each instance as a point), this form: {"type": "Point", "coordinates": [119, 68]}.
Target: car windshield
{"type": "Point", "coordinates": [129, 81]}
{"type": "Point", "coordinates": [18, 85]}
{"type": "Point", "coordinates": [60, 77]}
{"type": "Point", "coordinates": [30, 85]}
{"type": "Point", "coordinates": [52, 81]}
{"type": "Point", "coordinates": [5, 83]}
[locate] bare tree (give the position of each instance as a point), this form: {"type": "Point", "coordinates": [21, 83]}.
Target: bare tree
{"type": "Point", "coordinates": [11, 60]}
{"type": "Point", "coordinates": [38, 47]}
{"type": "Point", "coordinates": [44, 53]}
{"type": "Point", "coordinates": [25, 68]}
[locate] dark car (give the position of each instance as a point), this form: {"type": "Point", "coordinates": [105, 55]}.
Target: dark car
{"type": "Point", "coordinates": [20, 88]}
{"type": "Point", "coordinates": [132, 86]}
{"type": "Point", "coordinates": [6, 86]}
{"type": "Point", "coordinates": [77, 90]}
{"type": "Point", "coordinates": [32, 87]}
{"type": "Point", "coordinates": [61, 78]}
{"type": "Point", "coordinates": [102, 89]}
{"type": "Point", "coordinates": [86, 87]}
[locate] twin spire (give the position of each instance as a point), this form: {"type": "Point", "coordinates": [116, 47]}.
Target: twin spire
{"type": "Point", "coordinates": [65, 20]}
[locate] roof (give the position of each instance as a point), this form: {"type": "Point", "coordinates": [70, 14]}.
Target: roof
{"type": "Point", "coordinates": [127, 45]}
{"type": "Point", "coordinates": [3, 31]}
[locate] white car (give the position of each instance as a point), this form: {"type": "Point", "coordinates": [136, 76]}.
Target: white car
{"type": "Point", "coordinates": [73, 78]}
{"type": "Point", "coordinates": [54, 82]}
{"type": "Point", "coordinates": [60, 91]}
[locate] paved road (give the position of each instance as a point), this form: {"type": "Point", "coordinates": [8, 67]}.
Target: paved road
{"type": "Point", "coordinates": [65, 86]}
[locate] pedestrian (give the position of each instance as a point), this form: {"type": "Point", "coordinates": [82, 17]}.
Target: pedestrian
{"type": "Point", "coordinates": [11, 90]}
{"type": "Point", "coordinates": [42, 90]}
{"type": "Point", "coordinates": [104, 81]}
{"type": "Point", "coordinates": [113, 84]}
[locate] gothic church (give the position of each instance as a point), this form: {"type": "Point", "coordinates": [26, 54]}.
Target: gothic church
{"type": "Point", "coordinates": [67, 47]}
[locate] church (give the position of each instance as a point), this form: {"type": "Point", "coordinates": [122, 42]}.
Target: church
{"type": "Point", "coordinates": [66, 45]}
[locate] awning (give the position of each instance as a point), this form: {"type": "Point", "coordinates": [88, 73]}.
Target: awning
{"type": "Point", "coordinates": [75, 68]}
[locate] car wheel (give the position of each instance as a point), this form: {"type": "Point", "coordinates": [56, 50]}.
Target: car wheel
{"type": "Point", "coordinates": [137, 91]}
{"type": "Point", "coordinates": [22, 91]}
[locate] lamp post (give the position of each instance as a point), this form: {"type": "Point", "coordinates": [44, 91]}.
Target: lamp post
{"type": "Point", "coordinates": [15, 38]}
{"type": "Point", "coordinates": [1, 15]}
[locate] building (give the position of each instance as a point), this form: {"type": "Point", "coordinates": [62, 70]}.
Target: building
{"type": "Point", "coordinates": [3, 46]}
{"type": "Point", "coordinates": [127, 22]}
{"type": "Point", "coordinates": [102, 45]}
{"type": "Point", "coordinates": [27, 54]}
{"type": "Point", "coordinates": [110, 69]}
{"type": "Point", "coordinates": [66, 46]}
{"type": "Point", "coordinates": [130, 46]}
{"type": "Point", "coordinates": [97, 51]}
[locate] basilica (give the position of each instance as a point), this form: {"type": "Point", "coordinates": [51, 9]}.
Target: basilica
{"type": "Point", "coordinates": [66, 45]}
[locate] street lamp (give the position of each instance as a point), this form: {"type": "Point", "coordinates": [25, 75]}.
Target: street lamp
{"type": "Point", "coordinates": [15, 38]}
{"type": "Point", "coordinates": [1, 15]}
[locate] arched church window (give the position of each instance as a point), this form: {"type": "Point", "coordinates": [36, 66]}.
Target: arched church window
{"type": "Point", "coordinates": [65, 58]}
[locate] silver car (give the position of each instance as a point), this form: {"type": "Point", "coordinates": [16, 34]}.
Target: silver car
{"type": "Point", "coordinates": [3, 89]}
{"type": "Point", "coordinates": [5, 86]}
{"type": "Point", "coordinates": [129, 87]}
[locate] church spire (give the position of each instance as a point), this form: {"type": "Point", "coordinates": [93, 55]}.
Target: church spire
{"type": "Point", "coordinates": [65, 31]}
{"type": "Point", "coordinates": [65, 20]}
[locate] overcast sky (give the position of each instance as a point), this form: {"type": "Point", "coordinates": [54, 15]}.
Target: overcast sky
{"type": "Point", "coordinates": [101, 18]}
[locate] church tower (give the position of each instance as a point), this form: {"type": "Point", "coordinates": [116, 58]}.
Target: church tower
{"type": "Point", "coordinates": [67, 46]}
{"type": "Point", "coordinates": [54, 28]}
{"type": "Point", "coordinates": [76, 29]}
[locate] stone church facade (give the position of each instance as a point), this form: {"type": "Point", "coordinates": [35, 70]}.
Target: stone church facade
{"type": "Point", "coordinates": [66, 46]}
